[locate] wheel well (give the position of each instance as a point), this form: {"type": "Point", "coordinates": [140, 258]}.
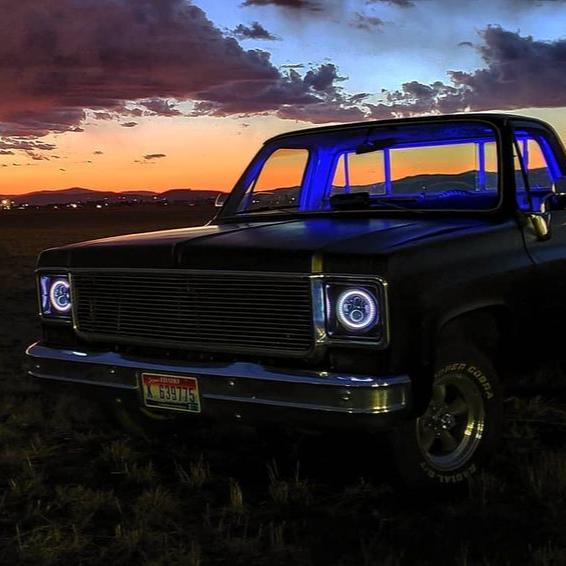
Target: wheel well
{"type": "Point", "coordinates": [489, 329]}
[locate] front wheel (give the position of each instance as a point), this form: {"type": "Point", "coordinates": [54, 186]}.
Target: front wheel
{"type": "Point", "coordinates": [460, 427]}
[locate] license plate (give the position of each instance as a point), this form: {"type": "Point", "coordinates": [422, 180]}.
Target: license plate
{"type": "Point", "coordinates": [171, 392]}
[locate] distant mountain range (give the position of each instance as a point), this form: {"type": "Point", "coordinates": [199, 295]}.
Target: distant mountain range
{"type": "Point", "coordinates": [80, 195]}
{"type": "Point", "coordinates": [412, 184]}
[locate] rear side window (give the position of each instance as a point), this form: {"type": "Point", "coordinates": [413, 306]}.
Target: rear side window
{"type": "Point", "coordinates": [279, 182]}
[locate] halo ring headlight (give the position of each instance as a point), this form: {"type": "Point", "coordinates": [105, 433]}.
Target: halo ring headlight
{"type": "Point", "coordinates": [60, 295]}
{"type": "Point", "coordinates": [357, 310]}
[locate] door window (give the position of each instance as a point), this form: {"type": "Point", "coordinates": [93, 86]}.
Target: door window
{"type": "Point", "coordinates": [533, 174]}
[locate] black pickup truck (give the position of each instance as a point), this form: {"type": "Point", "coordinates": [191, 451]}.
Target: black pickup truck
{"type": "Point", "coordinates": [369, 276]}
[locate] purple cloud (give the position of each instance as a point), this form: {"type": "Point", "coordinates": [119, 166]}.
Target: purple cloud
{"type": "Point", "coordinates": [515, 68]}
{"type": "Point", "coordinates": [254, 31]}
{"type": "Point", "coordinates": [161, 107]}
{"type": "Point", "coordinates": [292, 4]}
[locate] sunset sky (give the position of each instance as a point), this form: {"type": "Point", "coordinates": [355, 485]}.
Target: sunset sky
{"type": "Point", "coordinates": [160, 94]}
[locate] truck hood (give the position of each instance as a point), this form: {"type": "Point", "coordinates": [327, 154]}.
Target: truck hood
{"type": "Point", "coordinates": [288, 245]}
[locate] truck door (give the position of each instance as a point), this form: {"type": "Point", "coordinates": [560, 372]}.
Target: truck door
{"type": "Point", "coordinates": [539, 163]}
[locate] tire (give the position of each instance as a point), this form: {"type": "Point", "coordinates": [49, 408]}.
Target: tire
{"type": "Point", "coordinates": [459, 429]}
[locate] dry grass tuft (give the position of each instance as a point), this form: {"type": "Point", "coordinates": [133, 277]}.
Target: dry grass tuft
{"type": "Point", "coordinates": [284, 492]}
{"type": "Point", "coordinates": [546, 474]}
{"type": "Point", "coordinates": [236, 498]}
{"type": "Point", "coordinates": [198, 474]}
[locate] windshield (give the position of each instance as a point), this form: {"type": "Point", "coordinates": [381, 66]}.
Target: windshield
{"type": "Point", "coordinates": [428, 166]}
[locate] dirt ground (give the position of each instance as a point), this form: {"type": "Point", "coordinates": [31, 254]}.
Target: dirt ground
{"type": "Point", "coordinates": [75, 489]}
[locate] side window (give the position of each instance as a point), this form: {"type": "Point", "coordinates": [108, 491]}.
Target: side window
{"type": "Point", "coordinates": [279, 181]}
{"type": "Point", "coordinates": [535, 168]}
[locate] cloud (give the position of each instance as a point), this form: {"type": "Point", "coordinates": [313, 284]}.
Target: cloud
{"type": "Point", "coordinates": [315, 97]}
{"type": "Point", "coordinates": [322, 112]}
{"type": "Point", "coordinates": [291, 4]}
{"type": "Point", "coordinates": [520, 72]}
{"type": "Point", "coordinates": [26, 145]}
{"type": "Point", "coordinates": [103, 115]}
{"type": "Point", "coordinates": [17, 119]}
{"type": "Point", "coordinates": [37, 156]}
{"type": "Point", "coordinates": [151, 156]}
{"type": "Point", "coordinates": [102, 54]}
{"type": "Point", "coordinates": [129, 124]}
{"type": "Point", "coordinates": [322, 78]}
{"type": "Point", "coordinates": [6, 152]}
{"type": "Point", "coordinates": [108, 59]}
{"type": "Point", "coordinates": [515, 68]}
{"type": "Point", "coordinates": [333, 104]}
{"type": "Point", "coordinates": [160, 107]}
{"type": "Point", "coordinates": [98, 152]}
{"type": "Point", "coordinates": [367, 23]}
{"type": "Point", "coordinates": [132, 58]}
{"type": "Point", "coordinates": [254, 31]}
{"type": "Point", "coordinates": [399, 3]}
{"type": "Point", "coordinates": [137, 112]}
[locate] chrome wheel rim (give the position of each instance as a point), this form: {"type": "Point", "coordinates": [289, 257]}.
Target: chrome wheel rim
{"type": "Point", "coordinates": [453, 425]}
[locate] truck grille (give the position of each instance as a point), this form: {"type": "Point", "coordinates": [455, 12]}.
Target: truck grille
{"type": "Point", "coordinates": [211, 311]}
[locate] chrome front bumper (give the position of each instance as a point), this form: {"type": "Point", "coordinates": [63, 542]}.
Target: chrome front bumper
{"type": "Point", "coordinates": [237, 384]}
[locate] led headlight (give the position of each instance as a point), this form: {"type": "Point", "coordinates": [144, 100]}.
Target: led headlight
{"type": "Point", "coordinates": [55, 296]}
{"type": "Point", "coordinates": [357, 309]}
{"type": "Point", "coordinates": [60, 295]}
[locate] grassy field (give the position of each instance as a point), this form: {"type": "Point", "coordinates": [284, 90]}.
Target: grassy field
{"type": "Point", "coordinates": [74, 490]}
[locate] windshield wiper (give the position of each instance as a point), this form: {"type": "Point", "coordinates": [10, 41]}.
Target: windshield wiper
{"type": "Point", "coordinates": [362, 200]}
{"type": "Point", "coordinates": [269, 208]}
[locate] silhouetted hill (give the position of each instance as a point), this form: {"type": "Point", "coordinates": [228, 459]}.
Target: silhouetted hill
{"type": "Point", "coordinates": [411, 184]}
{"type": "Point", "coordinates": [188, 195]}
{"type": "Point", "coordinates": [81, 195]}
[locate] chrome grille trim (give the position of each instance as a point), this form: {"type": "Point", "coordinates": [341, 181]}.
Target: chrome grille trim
{"type": "Point", "coordinates": [224, 311]}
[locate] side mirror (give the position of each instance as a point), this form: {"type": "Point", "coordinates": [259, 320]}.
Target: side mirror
{"type": "Point", "coordinates": [220, 200]}
{"type": "Point", "coordinates": [540, 224]}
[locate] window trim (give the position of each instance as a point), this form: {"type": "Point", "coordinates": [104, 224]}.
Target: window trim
{"type": "Point", "coordinates": [541, 137]}
{"type": "Point", "coordinates": [502, 133]}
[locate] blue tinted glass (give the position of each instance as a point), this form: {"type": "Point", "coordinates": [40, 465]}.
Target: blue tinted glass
{"type": "Point", "coordinates": [428, 166]}
{"type": "Point", "coordinates": [533, 155]}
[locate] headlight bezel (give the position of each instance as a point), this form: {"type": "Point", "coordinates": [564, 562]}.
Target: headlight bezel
{"type": "Point", "coordinates": [49, 307]}
{"type": "Point", "coordinates": [375, 334]}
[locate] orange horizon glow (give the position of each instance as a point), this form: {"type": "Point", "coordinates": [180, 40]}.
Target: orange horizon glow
{"type": "Point", "coordinates": [200, 153]}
